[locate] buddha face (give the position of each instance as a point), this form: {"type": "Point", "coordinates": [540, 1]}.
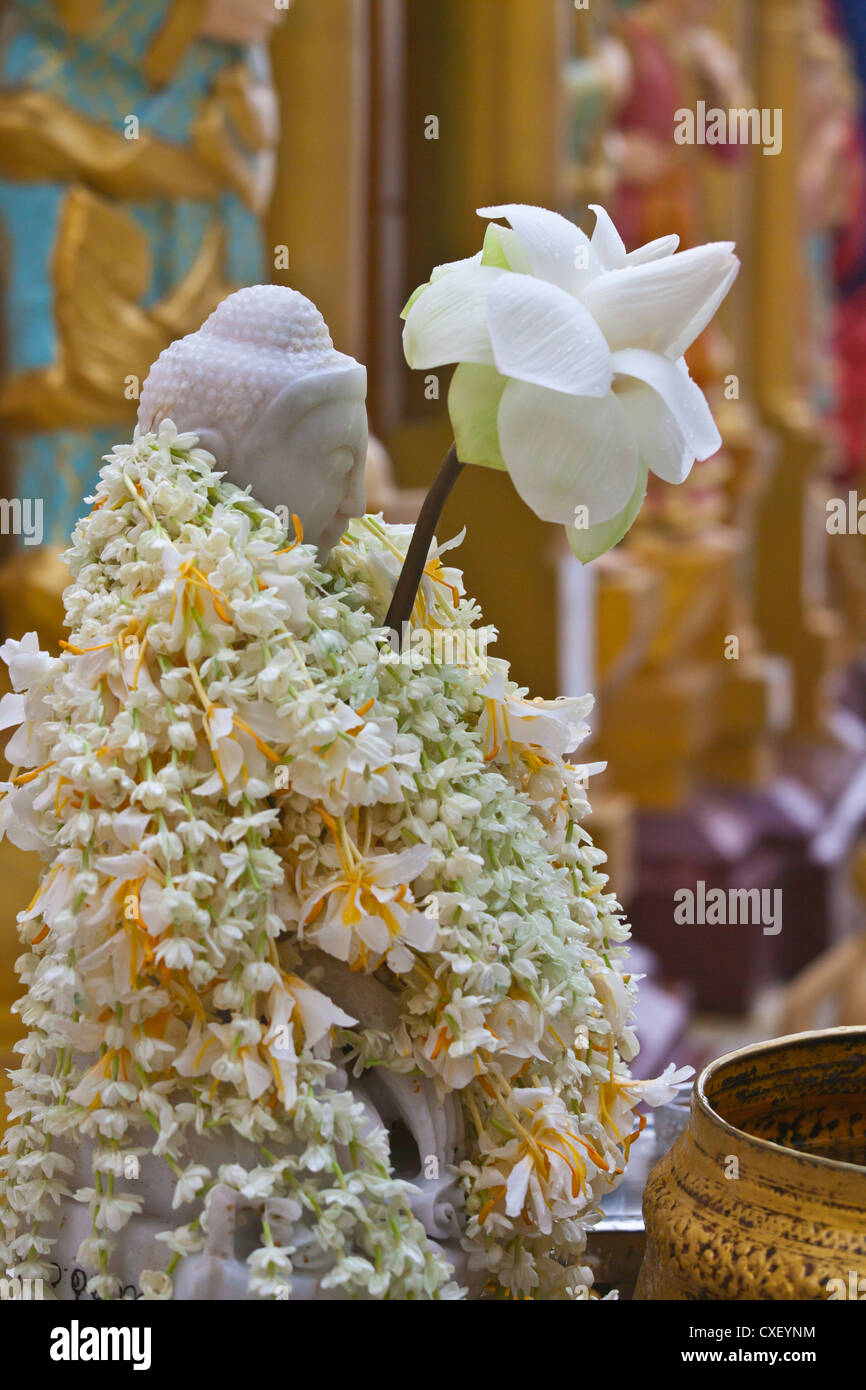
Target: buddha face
{"type": "Point", "coordinates": [308, 454]}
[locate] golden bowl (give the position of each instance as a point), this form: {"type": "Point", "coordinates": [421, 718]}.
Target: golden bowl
{"type": "Point", "coordinates": [763, 1196]}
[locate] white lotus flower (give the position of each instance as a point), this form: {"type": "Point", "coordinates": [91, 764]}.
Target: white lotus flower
{"type": "Point", "coordinates": [570, 362]}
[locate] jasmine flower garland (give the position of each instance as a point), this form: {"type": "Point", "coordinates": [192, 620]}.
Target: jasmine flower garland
{"type": "Point", "coordinates": [237, 796]}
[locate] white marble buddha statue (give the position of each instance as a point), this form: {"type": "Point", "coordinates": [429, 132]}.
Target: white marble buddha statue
{"type": "Point", "coordinates": [281, 410]}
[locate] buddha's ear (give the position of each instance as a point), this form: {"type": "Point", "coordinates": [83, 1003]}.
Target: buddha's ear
{"type": "Point", "coordinates": [211, 439]}
{"type": "Point", "coordinates": [216, 443]}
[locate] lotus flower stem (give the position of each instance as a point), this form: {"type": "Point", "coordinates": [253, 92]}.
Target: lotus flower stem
{"type": "Point", "coordinates": [419, 547]}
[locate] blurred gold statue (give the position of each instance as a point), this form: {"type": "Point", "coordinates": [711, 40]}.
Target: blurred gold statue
{"type": "Point", "coordinates": [136, 159]}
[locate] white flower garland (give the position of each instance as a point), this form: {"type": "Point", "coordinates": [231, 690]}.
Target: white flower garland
{"type": "Point", "coordinates": [228, 780]}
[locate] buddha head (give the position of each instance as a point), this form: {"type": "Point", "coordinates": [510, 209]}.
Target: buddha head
{"type": "Point", "coordinates": [268, 395]}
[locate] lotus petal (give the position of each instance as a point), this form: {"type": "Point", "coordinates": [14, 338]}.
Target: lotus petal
{"type": "Point", "coordinates": [503, 248]}
{"type": "Point", "coordinates": [473, 404]}
{"type": "Point", "coordinates": [656, 304]}
{"type": "Point", "coordinates": [448, 267]}
{"type": "Point", "coordinates": [682, 397]}
{"type": "Point", "coordinates": [653, 250]}
{"type": "Point", "coordinates": [546, 337]}
{"type": "Point", "coordinates": [606, 240]}
{"type": "Point", "coordinates": [660, 440]}
{"type": "Point", "coordinates": [448, 322]}
{"type": "Point", "coordinates": [591, 541]}
{"type": "Point", "coordinates": [567, 451]}
{"type": "Point", "coordinates": [558, 251]}
{"type": "Point", "coordinates": [697, 325]}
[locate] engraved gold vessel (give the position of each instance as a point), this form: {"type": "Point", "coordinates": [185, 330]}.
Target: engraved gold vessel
{"type": "Point", "coordinates": [764, 1194]}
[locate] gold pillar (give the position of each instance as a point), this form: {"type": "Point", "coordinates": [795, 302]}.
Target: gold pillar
{"type": "Point", "coordinates": [777, 250]}
{"type": "Point", "coordinates": [791, 561]}
{"type": "Point", "coordinates": [512, 126]}
{"type": "Point", "coordinates": [492, 74]}
{"type": "Point", "coordinates": [319, 208]}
